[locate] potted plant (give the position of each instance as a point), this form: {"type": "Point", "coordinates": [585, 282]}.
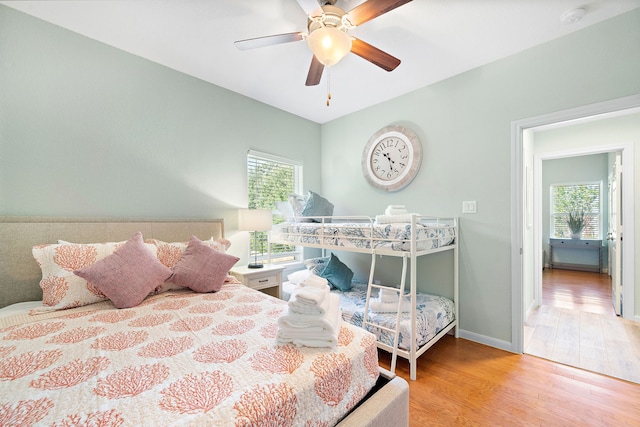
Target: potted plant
{"type": "Point", "coordinates": [576, 223]}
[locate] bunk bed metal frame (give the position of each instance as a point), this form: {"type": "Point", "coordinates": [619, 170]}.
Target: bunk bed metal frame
{"type": "Point", "coordinates": [372, 245]}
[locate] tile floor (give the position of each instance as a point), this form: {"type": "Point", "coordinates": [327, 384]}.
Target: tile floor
{"type": "Point", "coordinates": [576, 326]}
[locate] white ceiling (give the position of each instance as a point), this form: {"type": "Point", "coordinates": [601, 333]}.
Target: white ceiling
{"type": "Point", "coordinates": [435, 39]}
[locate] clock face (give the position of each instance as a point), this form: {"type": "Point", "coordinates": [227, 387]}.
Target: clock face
{"type": "Point", "coordinates": [391, 158]}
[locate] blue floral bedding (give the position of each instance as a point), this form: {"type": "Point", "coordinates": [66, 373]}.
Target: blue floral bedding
{"type": "Point", "coordinates": [395, 236]}
{"type": "Point", "coordinates": [434, 314]}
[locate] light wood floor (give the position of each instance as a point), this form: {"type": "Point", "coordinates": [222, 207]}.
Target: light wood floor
{"type": "Point", "coordinates": [577, 326]}
{"type": "Point", "coordinates": [462, 383]}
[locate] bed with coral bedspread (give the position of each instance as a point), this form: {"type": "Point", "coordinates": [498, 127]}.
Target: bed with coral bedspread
{"type": "Point", "coordinates": [178, 357]}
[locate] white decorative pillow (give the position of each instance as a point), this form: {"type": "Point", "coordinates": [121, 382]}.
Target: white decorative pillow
{"type": "Point", "coordinates": [285, 210]}
{"type": "Point", "coordinates": [61, 288]}
{"type": "Point", "coordinates": [316, 265]}
{"type": "Point", "coordinates": [297, 203]}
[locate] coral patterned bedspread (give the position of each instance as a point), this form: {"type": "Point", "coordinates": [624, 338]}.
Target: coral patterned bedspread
{"type": "Point", "coordinates": [179, 358]}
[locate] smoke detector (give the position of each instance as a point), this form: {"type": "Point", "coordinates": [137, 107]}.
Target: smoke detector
{"type": "Point", "coordinates": [572, 16]}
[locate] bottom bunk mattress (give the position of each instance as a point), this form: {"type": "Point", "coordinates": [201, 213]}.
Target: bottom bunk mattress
{"type": "Point", "coordinates": [434, 313]}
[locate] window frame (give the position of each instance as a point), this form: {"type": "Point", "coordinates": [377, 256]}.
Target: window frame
{"type": "Point", "coordinates": [262, 257]}
{"type": "Point", "coordinates": [553, 214]}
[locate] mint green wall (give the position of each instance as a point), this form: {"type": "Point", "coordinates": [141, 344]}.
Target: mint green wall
{"type": "Point", "coordinates": [464, 124]}
{"type": "Point", "coordinates": [89, 130]}
{"type": "Point", "coordinates": [577, 169]}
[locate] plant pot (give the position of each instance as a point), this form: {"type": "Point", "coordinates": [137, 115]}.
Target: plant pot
{"type": "Point", "coordinates": [576, 235]}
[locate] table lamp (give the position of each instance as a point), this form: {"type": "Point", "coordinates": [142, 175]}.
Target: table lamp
{"type": "Point", "coordinates": [254, 220]}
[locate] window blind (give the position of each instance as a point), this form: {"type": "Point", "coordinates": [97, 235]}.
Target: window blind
{"type": "Point", "coordinates": [576, 198]}
{"type": "Point", "coordinates": [271, 179]}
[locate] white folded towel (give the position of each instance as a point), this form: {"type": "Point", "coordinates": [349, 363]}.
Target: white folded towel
{"type": "Point", "coordinates": [311, 330]}
{"type": "Point", "coordinates": [309, 300]}
{"type": "Point", "coordinates": [389, 219]}
{"type": "Point", "coordinates": [307, 321]}
{"type": "Point", "coordinates": [315, 281]}
{"type": "Point", "coordinates": [388, 295]}
{"type": "Point", "coordinates": [395, 210]}
{"type": "Point", "coordinates": [299, 276]}
{"type": "Point", "coordinates": [378, 306]}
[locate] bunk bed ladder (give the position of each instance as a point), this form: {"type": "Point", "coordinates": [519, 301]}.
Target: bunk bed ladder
{"type": "Point", "coordinates": [400, 291]}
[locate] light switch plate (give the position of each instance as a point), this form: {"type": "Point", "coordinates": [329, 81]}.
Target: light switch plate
{"type": "Point", "coordinates": [469, 207]}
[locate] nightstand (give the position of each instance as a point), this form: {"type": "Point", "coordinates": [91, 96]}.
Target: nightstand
{"type": "Point", "coordinates": [267, 279]}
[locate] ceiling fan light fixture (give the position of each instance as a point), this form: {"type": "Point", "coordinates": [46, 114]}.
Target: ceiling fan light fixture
{"type": "Point", "coordinates": [329, 45]}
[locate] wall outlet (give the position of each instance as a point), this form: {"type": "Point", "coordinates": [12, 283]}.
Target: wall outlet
{"type": "Point", "coordinates": [469, 207]}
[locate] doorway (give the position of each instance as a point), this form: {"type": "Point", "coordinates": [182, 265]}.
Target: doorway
{"type": "Point", "coordinates": [526, 248]}
{"type": "Point", "coordinates": [573, 321]}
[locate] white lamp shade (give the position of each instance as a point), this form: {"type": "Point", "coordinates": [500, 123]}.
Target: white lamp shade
{"type": "Point", "coordinates": [329, 45]}
{"type": "Point", "coordinates": [254, 219]}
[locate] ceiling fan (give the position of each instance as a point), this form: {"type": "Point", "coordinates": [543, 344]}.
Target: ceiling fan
{"type": "Point", "coordinates": [327, 36]}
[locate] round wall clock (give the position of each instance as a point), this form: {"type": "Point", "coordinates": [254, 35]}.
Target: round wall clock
{"type": "Point", "coordinates": [391, 158]}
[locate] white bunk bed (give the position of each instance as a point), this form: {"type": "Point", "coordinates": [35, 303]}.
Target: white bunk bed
{"type": "Point", "coordinates": [420, 236]}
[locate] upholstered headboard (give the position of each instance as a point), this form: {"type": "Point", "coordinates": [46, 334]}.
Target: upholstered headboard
{"type": "Point", "coordinates": [20, 274]}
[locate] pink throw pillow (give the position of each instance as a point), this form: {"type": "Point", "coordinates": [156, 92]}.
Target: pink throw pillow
{"type": "Point", "coordinates": [202, 268]}
{"type": "Point", "coordinates": [128, 275]}
{"type": "Point", "coordinates": [170, 253]}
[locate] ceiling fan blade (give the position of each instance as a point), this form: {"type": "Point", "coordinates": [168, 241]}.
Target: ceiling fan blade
{"type": "Point", "coordinates": [310, 7]}
{"type": "Point", "coordinates": [371, 9]}
{"type": "Point", "coordinates": [374, 55]}
{"type": "Point", "coordinates": [315, 72]}
{"type": "Point", "coordinates": [268, 40]}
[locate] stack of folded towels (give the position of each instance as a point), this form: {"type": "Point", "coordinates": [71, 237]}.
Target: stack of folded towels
{"type": "Point", "coordinates": [313, 317]}
{"type": "Point", "coordinates": [394, 214]}
{"type": "Point", "coordinates": [387, 302]}
{"type": "Point", "coordinates": [395, 210]}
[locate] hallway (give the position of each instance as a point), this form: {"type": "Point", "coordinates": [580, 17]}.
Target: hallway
{"type": "Point", "coordinates": [577, 326]}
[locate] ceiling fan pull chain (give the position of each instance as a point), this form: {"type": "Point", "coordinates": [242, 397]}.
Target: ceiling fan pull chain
{"type": "Point", "coordinates": [328, 85]}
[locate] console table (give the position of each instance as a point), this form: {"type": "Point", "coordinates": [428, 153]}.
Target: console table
{"type": "Point", "coordinates": [584, 244]}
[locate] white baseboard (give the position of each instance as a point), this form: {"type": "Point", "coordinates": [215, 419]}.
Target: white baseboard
{"type": "Point", "coordinates": [483, 339]}
{"type": "Point", "coordinates": [499, 344]}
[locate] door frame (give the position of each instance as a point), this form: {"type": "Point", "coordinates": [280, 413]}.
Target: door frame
{"type": "Point", "coordinates": [616, 176]}
{"type": "Point", "coordinates": [519, 252]}
{"type": "Point", "coordinates": [627, 208]}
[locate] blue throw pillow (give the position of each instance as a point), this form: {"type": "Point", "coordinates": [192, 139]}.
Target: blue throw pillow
{"type": "Point", "coordinates": [338, 274]}
{"type": "Point", "coordinates": [316, 205]}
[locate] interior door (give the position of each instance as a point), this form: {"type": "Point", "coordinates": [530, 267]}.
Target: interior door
{"type": "Point", "coordinates": [614, 236]}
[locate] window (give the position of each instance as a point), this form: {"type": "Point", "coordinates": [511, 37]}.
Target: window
{"type": "Point", "coordinates": [581, 202]}
{"type": "Point", "coordinates": [271, 179]}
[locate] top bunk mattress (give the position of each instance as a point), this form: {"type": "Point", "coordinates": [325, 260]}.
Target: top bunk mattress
{"type": "Point", "coordinates": [366, 235]}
